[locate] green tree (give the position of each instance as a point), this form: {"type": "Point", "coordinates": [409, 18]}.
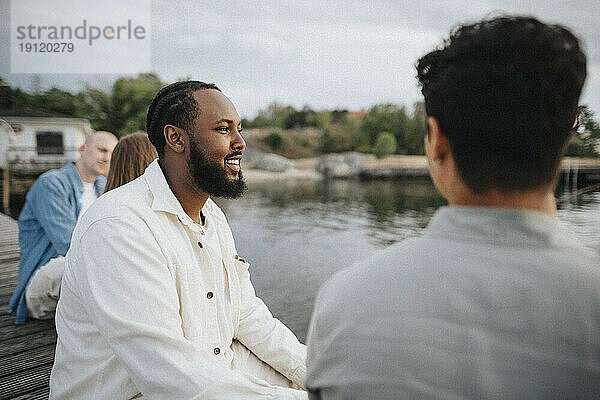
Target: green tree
{"type": "Point", "coordinates": [322, 119]}
{"type": "Point", "coordinates": [415, 130]}
{"type": "Point", "coordinates": [339, 116]}
{"type": "Point", "coordinates": [56, 100]}
{"type": "Point", "coordinates": [300, 119]}
{"type": "Point", "coordinates": [333, 140]}
{"type": "Point", "coordinates": [95, 105]}
{"type": "Point", "coordinates": [588, 133]}
{"type": "Point", "coordinates": [272, 117]}
{"type": "Point", "coordinates": [385, 144]}
{"type": "Point", "coordinates": [11, 98]}
{"type": "Point", "coordinates": [387, 118]}
{"type": "Point", "coordinates": [575, 148]}
{"type": "Point", "coordinates": [342, 134]}
{"type": "Point", "coordinates": [274, 140]}
{"type": "Point", "coordinates": [129, 102]}
{"type": "Point", "coordinates": [359, 139]}
{"type": "Point", "coordinates": [408, 129]}
{"type": "Point", "coordinates": [122, 111]}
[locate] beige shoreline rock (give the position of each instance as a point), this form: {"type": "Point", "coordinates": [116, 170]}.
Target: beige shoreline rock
{"type": "Point", "coordinates": [255, 175]}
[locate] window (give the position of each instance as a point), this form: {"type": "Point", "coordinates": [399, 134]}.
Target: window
{"type": "Point", "coordinates": [49, 142]}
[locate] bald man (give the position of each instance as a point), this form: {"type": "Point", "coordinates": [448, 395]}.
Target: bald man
{"type": "Point", "coordinates": [52, 208]}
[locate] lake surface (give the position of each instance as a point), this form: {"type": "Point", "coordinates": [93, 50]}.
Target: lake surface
{"type": "Point", "coordinates": [296, 234]}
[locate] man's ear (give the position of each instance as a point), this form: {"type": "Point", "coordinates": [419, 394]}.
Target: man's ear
{"type": "Point", "coordinates": [174, 138]}
{"type": "Point", "coordinates": [438, 144]}
{"type": "Point", "coordinates": [81, 149]}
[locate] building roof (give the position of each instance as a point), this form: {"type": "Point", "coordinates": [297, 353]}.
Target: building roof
{"type": "Point", "coordinates": [32, 112]}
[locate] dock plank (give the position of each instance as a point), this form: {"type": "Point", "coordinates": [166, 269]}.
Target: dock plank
{"type": "Point", "coordinates": [27, 381]}
{"type": "Point", "coordinates": [11, 331]}
{"type": "Point", "coordinates": [15, 363]}
{"type": "Point", "coordinates": [35, 395]}
{"type": "Point", "coordinates": [24, 343]}
{"type": "Point", "coordinates": [27, 350]}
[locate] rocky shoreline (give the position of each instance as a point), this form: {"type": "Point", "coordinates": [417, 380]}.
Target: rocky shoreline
{"type": "Point", "coordinates": [261, 166]}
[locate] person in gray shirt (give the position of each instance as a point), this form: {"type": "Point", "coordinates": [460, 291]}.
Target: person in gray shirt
{"type": "Point", "coordinates": [496, 300]}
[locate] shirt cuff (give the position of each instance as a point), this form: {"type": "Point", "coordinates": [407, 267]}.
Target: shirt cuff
{"type": "Point", "coordinates": [299, 377]}
{"type": "Point", "coordinates": [290, 394]}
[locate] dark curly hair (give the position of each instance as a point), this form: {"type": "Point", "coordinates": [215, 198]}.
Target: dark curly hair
{"type": "Point", "coordinates": [505, 93]}
{"type": "Point", "coordinates": [175, 105]}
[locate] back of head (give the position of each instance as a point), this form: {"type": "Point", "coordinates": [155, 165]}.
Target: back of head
{"type": "Point", "coordinates": [505, 93]}
{"type": "Point", "coordinates": [175, 105]}
{"type": "Point", "coordinates": [130, 158]}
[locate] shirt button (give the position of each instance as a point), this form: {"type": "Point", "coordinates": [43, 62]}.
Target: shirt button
{"type": "Point", "coordinates": [236, 257]}
{"type": "Point", "coordinates": [209, 295]}
{"type": "Point", "coordinates": [200, 245]}
{"type": "Point", "coordinates": [217, 351]}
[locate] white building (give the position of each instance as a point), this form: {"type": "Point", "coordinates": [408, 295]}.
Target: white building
{"type": "Point", "coordinates": [35, 139]}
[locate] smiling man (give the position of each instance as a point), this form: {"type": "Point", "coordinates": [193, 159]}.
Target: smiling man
{"type": "Point", "coordinates": [53, 205]}
{"type": "Point", "coordinates": [156, 302]}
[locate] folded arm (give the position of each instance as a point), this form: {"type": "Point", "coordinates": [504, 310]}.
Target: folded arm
{"type": "Point", "coordinates": [266, 336]}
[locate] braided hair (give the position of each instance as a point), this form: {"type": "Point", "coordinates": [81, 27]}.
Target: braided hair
{"type": "Point", "coordinates": [175, 105]}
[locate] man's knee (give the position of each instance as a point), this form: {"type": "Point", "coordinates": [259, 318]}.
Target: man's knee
{"type": "Point", "coordinates": [43, 290]}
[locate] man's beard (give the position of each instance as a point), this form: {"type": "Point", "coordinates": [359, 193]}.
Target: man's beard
{"type": "Point", "coordinates": [212, 178]}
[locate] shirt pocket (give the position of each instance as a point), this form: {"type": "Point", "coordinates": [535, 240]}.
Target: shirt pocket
{"type": "Point", "coordinates": [238, 274]}
{"type": "Point", "coordinates": [240, 263]}
{"type": "Point", "coordinates": [191, 295]}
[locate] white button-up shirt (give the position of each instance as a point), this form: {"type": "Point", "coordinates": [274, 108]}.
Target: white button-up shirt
{"type": "Point", "coordinates": [135, 314]}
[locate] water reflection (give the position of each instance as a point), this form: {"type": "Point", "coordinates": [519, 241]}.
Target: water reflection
{"type": "Point", "coordinates": [297, 234]}
{"type": "Point", "coordinates": [581, 214]}
{"type": "Point", "coordinates": [397, 210]}
{"type": "Point", "coordinates": [379, 207]}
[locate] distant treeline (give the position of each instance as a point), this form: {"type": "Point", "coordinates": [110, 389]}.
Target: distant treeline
{"type": "Point", "coordinates": [382, 129]}
{"type": "Point", "coordinates": [121, 111]}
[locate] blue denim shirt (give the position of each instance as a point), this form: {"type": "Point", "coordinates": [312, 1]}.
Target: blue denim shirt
{"type": "Point", "coordinates": [46, 224]}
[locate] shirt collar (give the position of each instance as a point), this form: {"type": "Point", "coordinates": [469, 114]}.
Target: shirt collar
{"type": "Point", "coordinates": [163, 197]}
{"type": "Point", "coordinates": [499, 225]}
{"type": "Point", "coordinates": [77, 182]}
{"type": "Point", "coordinates": [74, 176]}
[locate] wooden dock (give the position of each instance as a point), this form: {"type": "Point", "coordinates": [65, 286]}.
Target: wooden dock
{"type": "Point", "coordinates": [400, 166]}
{"type": "Point", "coordinates": [27, 351]}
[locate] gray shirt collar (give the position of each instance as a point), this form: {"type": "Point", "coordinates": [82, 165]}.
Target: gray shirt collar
{"type": "Point", "coordinates": [512, 227]}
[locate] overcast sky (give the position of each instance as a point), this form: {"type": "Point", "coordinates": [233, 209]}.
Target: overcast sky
{"type": "Point", "coordinates": [327, 54]}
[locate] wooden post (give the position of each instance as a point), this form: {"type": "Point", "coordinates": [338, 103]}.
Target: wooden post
{"type": "Point", "coordinates": [6, 189]}
{"type": "Point", "coordinates": [567, 173]}
{"type": "Point", "coordinates": [576, 173]}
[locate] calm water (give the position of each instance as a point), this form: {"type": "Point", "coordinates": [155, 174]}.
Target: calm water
{"type": "Point", "coordinates": [297, 234]}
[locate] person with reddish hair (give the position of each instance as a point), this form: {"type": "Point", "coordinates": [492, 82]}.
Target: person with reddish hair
{"type": "Point", "coordinates": [130, 158]}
